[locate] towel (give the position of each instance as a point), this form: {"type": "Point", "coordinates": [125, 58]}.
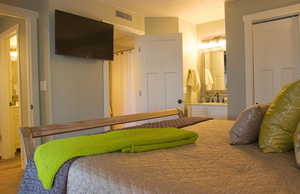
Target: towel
{"type": "Point", "coordinates": [208, 79]}
{"type": "Point", "coordinates": [193, 80]}
{"type": "Point", "coordinates": [49, 157]}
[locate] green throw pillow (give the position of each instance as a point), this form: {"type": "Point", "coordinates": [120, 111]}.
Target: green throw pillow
{"type": "Point", "coordinates": [297, 145]}
{"type": "Point", "coordinates": [280, 121]}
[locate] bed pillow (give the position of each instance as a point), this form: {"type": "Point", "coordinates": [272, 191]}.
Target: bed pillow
{"type": "Point", "coordinates": [280, 121]}
{"type": "Point", "coordinates": [297, 144]}
{"type": "Point", "coordinates": [246, 128]}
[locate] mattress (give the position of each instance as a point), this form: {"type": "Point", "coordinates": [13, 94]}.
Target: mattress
{"type": "Point", "coordinates": [210, 165]}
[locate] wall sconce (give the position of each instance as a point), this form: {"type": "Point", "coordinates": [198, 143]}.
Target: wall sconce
{"type": "Point", "coordinates": [13, 44]}
{"type": "Point", "coordinates": [214, 43]}
{"type": "Point", "coordinates": [13, 55]}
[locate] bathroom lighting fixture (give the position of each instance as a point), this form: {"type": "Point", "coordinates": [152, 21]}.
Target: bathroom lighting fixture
{"type": "Point", "coordinates": [213, 44]}
{"type": "Point", "coordinates": [13, 55]}
{"type": "Point", "coordinates": [13, 43]}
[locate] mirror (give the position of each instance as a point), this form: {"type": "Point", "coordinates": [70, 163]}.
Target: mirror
{"type": "Point", "coordinates": [215, 70]}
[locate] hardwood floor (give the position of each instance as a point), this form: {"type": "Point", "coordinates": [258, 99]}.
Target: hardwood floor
{"type": "Point", "coordinates": [10, 175]}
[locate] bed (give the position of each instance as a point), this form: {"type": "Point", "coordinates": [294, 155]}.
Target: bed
{"type": "Point", "coordinates": [210, 165]}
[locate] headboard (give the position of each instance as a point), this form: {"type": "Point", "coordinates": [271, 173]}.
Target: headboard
{"type": "Point", "coordinates": [28, 134]}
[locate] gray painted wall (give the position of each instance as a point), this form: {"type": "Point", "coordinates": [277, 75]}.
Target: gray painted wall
{"type": "Point", "coordinates": [27, 4]}
{"type": "Point", "coordinates": [77, 88]}
{"type": "Point", "coordinates": [234, 12]}
{"type": "Point", "coordinates": [75, 85]}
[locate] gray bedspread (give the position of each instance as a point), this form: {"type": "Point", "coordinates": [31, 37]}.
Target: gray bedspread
{"type": "Point", "coordinates": [31, 184]}
{"type": "Point", "coordinates": [210, 166]}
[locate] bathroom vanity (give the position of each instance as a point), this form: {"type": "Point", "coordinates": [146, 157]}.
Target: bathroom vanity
{"type": "Point", "coordinates": [212, 110]}
{"type": "Point", "coordinates": [213, 73]}
{"type": "Point", "coordinates": [14, 123]}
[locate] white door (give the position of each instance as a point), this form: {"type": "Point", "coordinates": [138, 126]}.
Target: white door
{"type": "Point", "coordinates": [160, 72]}
{"type": "Point", "coordinates": [276, 57]}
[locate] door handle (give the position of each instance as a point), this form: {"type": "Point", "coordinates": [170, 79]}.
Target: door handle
{"type": "Point", "coordinates": [179, 101]}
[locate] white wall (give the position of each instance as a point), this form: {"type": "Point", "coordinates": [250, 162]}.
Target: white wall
{"type": "Point", "coordinates": [97, 10]}
{"type": "Point", "coordinates": [210, 29]}
{"type": "Point", "coordinates": [234, 12]}
{"type": "Point", "coordinates": [161, 25]}
{"type": "Point", "coordinates": [190, 50]}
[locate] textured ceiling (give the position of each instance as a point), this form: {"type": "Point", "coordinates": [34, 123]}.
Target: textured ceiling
{"type": "Point", "coordinates": [195, 11]}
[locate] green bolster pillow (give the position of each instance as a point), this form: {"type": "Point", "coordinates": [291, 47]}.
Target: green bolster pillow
{"type": "Point", "coordinates": [280, 121]}
{"type": "Point", "coordinates": [297, 145]}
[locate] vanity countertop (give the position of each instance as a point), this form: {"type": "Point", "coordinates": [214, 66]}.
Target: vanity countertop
{"type": "Point", "coordinates": [209, 104]}
{"type": "Point", "coordinates": [14, 106]}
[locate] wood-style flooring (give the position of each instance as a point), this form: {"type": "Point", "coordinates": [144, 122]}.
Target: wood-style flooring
{"type": "Point", "coordinates": [10, 175]}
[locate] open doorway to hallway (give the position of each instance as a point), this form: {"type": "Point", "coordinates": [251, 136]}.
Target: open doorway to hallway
{"type": "Point", "coordinates": [146, 73]}
{"type": "Point", "coordinates": [12, 32]}
{"type": "Point", "coordinates": [21, 91]}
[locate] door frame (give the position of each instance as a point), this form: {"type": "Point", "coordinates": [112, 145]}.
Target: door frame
{"type": "Point", "coordinates": [31, 56]}
{"type": "Point", "coordinates": [7, 147]}
{"type": "Point", "coordinates": [249, 21]}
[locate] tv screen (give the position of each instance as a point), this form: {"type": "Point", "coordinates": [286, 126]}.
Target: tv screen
{"type": "Point", "coordinates": [82, 37]}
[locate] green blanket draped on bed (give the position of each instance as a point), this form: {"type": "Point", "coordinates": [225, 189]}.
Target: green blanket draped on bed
{"type": "Point", "coordinates": [50, 156]}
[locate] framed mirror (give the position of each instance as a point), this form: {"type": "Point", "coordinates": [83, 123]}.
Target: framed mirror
{"type": "Point", "coordinates": [215, 70]}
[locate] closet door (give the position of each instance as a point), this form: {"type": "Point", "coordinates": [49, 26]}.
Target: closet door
{"type": "Point", "coordinates": [276, 56]}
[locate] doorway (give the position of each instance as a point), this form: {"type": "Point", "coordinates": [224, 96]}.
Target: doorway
{"type": "Point", "coordinates": [122, 75]}
{"type": "Point", "coordinates": [271, 46]}
{"type": "Point", "coordinates": [146, 73]}
{"type": "Point", "coordinates": [10, 95]}
{"type": "Point", "coordinates": [29, 113]}
{"type": "Point", "coordinates": [275, 56]}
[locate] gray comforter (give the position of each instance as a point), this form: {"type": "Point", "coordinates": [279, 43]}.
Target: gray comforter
{"type": "Point", "coordinates": [211, 166]}
{"type": "Point", "coordinates": [31, 184]}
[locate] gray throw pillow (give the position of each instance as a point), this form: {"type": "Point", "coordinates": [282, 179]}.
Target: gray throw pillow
{"type": "Point", "coordinates": [247, 126]}
{"type": "Point", "coordinates": [297, 144]}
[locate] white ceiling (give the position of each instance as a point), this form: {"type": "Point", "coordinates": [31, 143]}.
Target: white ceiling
{"type": "Point", "coordinates": [195, 11]}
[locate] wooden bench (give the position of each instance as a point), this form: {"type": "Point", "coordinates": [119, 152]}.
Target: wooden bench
{"type": "Point", "coordinates": [28, 134]}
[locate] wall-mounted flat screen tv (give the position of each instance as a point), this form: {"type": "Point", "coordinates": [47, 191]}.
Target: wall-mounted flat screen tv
{"type": "Point", "coordinates": [82, 37]}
